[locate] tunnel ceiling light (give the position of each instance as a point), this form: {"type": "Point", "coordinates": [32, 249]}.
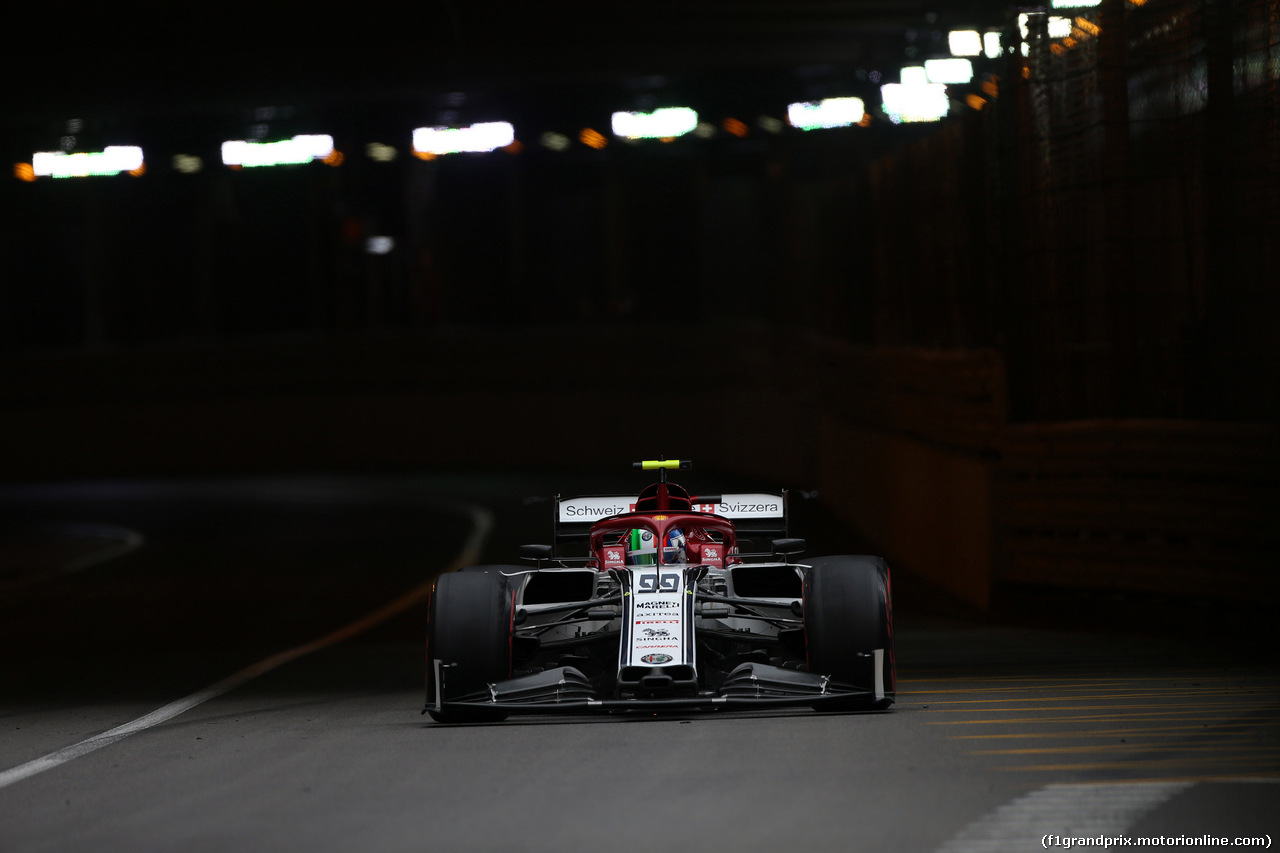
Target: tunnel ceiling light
{"type": "Point", "coordinates": [964, 42]}
{"type": "Point", "coordinates": [555, 141]}
{"type": "Point", "coordinates": [1058, 26]}
{"type": "Point", "coordinates": [829, 112]}
{"type": "Point", "coordinates": [665, 123]}
{"type": "Point", "coordinates": [991, 44]}
{"type": "Point", "coordinates": [913, 75]}
{"type": "Point", "coordinates": [1075, 4]}
{"type": "Point", "coordinates": [769, 124]}
{"type": "Point", "coordinates": [476, 138]}
{"type": "Point", "coordinates": [948, 70]}
{"type": "Point", "coordinates": [592, 138]}
{"type": "Point", "coordinates": [112, 160]}
{"type": "Point", "coordinates": [915, 102]}
{"type": "Point", "coordinates": [299, 149]}
{"type": "Point", "coordinates": [187, 164]}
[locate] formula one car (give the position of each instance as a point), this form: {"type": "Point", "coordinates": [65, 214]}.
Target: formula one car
{"type": "Point", "coordinates": [655, 602]}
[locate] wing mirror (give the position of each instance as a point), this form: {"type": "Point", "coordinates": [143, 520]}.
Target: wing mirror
{"type": "Point", "coordinates": [536, 552]}
{"type": "Point", "coordinates": [788, 547]}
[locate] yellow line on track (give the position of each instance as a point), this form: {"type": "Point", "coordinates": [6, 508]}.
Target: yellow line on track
{"type": "Point", "coordinates": [1191, 674]}
{"type": "Point", "coordinates": [1236, 684]}
{"type": "Point", "coordinates": [1172, 708]}
{"type": "Point", "coordinates": [1129, 747]}
{"type": "Point", "coordinates": [1253, 766]}
{"type": "Point", "coordinates": [1088, 718]}
{"type": "Point", "coordinates": [1157, 731]}
{"type": "Point", "coordinates": [1217, 695]}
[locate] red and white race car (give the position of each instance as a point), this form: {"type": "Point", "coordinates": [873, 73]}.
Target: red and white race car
{"type": "Point", "coordinates": [658, 601]}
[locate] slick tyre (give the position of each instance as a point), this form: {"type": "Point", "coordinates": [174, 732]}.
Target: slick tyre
{"type": "Point", "coordinates": [469, 623]}
{"type": "Point", "coordinates": [848, 627]}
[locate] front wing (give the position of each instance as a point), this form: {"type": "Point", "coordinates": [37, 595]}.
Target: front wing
{"type": "Point", "coordinates": [750, 686]}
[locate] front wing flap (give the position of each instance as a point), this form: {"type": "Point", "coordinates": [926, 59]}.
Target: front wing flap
{"type": "Point", "coordinates": [566, 690]}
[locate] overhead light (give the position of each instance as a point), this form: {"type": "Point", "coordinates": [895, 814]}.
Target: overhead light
{"type": "Point", "coordinates": [112, 160]}
{"type": "Point", "coordinates": [948, 70]}
{"type": "Point", "coordinates": [991, 45]}
{"type": "Point", "coordinates": [1058, 26]}
{"type": "Point", "coordinates": [829, 112]}
{"type": "Point", "coordinates": [481, 137]}
{"type": "Point", "coordinates": [665, 123]}
{"type": "Point", "coordinates": [380, 153]}
{"type": "Point", "coordinates": [592, 138]}
{"type": "Point", "coordinates": [912, 75]}
{"type": "Point", "coordinates": [964, 42]}
{"type": "Point", "coordinates": [915, 102]}
{"type": "Point", "coordinates": [300, 149]}
{"type": "Point", "coordinates": [187, 164]}
{"type": "Point", "coordinates": [769, 124]}
{"type": "Point", "coordinates": [554, 141]}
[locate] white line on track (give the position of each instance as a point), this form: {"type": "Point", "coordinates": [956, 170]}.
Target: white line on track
{"type": "Point", "coordinates": [122, 541]}
{"type": "Point", "coordinates": [481, 523]}
{"type": "Point", "coordinates": [115, 541]}
{"type": "Point", "coordinates": [1069, 809]}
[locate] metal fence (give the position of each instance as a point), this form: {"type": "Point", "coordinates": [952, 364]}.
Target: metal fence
{"type": "Point", "coordinates": [1109, 218]}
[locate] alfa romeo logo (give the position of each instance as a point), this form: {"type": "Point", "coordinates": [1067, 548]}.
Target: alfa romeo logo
{"type": "Point", "coordinates": [656, 659]}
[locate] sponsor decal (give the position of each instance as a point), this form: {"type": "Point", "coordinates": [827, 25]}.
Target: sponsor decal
{"type": "Point", "coordinates": [744, 506]}
{"type": "Point", "coordinates": [572, 512]}
{"type": "Point", "coordinates": [613, 557]}
{"type": "Point", "coordinates": [658, 582]}
{"type": "Point", "coordinates": [749, 505]}
{"type": "Point", "coordinates": [710, 553]}
{"type": "Point", "coordinates": [593, 509]}
{"type": "Point", "coordinates": [750, 509]}
{"type": "Point", "coordinates": [657, 616]}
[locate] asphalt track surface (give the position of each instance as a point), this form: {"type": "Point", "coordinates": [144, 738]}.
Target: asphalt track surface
{"type": "Point", "coordinates": [238, 665]}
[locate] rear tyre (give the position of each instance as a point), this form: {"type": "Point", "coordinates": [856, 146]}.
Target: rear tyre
{"type": "Point", "coordinates": [469, 622]}
{"type": "Point", "coordinates": [848, 627]}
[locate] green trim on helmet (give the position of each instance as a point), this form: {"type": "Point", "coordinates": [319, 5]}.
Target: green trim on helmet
{"type": "Point", "coordinates": [638, 553]}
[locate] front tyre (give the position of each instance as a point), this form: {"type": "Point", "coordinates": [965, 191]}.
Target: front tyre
{"type": "Point", "coordinates": [469, 623]}
{"type": "Point", "coordinates": [848, 627]}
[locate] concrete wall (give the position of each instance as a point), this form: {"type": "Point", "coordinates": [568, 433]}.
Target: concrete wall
{"type": "Point", "coordinates": [927, 508]}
